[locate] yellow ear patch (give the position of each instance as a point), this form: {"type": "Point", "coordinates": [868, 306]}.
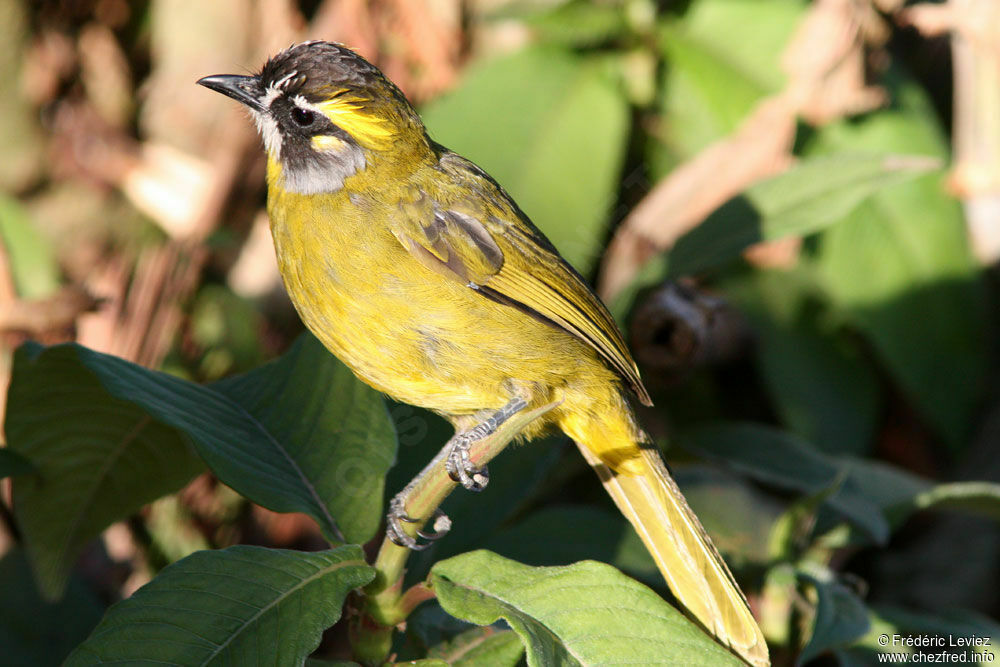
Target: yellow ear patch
{"type": "Point", "coordinates": [326, 142]}
{"type": "Point", "coordinates": [347, 113]}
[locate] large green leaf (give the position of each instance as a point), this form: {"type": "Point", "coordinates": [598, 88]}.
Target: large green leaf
{"type": "Point", "coordinates": [900, 267]}
{"type": "Point", "coordinates": [239, 606]}
{"type": "Point", "coordinates": [36, 632]}
{"type": "Point", "coordinates": [325, 423]}
{"type": "Point", "coordinates": [551, 128]}
{"type": "Point", "coordinates": [98, 458]}
{"type": "Point", "coordinates": [299, 434]}
{"type": "Point", "coordinates": [716, 71]}
{"type": "Point", "coordinates": [583, 614]}
{"type": "Point", "coordinates": [13, 464]}
{"type": "Point", "coordinates": [807, 198]}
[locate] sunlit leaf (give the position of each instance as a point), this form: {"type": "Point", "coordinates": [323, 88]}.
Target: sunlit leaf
{"type": "Point", "coordinates": [239, 606]}
{"type": "Point", "coordinates": [716, 71]}
{"type": "Point", "coordinates": [487, 647]}
{"type": "Point", "coordinates": [587, 613]}
{"type": "Point", "coordinates": [981, 498]}
{"type": "Point", "coordinates": [578, 23]}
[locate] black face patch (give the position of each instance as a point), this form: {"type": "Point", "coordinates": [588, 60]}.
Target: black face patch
{"type": "Point", "coordinates": [296, 136]}
{"type": "Point", "coordinates": [312, 73]}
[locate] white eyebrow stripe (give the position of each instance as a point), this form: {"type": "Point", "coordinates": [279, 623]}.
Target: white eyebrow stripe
{"type": "Point", "coordinates": [303, 103]}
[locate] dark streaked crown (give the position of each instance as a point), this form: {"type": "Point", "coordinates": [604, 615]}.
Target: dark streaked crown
{"type": "Point", "coordinates": [313, 69]}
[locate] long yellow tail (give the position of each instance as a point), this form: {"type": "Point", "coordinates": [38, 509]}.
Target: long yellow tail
{"type": "Point", "coordinates": [645, 493]}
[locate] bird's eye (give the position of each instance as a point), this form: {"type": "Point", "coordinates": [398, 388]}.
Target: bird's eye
{"type": "Point", "coordinates": [303, 117]}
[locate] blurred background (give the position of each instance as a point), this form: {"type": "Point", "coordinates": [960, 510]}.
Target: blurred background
{"type": "Point", "coordinates": [132, 221]}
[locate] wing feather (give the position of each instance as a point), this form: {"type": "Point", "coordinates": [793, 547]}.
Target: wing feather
{"type": "Point", "coordinates": [488, 244]}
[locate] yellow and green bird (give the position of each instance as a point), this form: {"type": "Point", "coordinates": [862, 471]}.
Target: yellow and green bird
{"type": "Point", "coordinates": [422, 275]}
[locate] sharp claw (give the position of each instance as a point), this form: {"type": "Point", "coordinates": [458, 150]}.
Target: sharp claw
{"type": "Point", "coordinates": [394, 530]}
{"type": "Point", "coordinates": [441, 525]}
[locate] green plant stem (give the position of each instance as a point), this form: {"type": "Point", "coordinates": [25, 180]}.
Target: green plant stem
{"type": "Point", "coordinates": [387, 604]}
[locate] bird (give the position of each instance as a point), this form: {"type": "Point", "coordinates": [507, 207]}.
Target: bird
{"type": "Point", "coordinates": [423, 276]}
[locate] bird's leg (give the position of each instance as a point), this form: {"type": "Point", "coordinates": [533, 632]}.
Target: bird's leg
{"type": "Point", "coordinates": [460, 467]}
{"type": "Point", "coordinates": [455, 457]}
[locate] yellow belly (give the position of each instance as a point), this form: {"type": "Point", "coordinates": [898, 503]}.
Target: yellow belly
{"type": "Point", "coordinates": [414, 334]}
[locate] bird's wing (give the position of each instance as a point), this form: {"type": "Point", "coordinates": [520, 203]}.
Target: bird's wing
{"type": "Point", "coordinates": [468, 229]}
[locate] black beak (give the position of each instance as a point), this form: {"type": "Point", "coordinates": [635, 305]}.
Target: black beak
{"type": "Point", "coordinates": [245, 89]}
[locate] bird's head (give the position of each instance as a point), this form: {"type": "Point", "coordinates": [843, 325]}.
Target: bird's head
{"type": "Point", "coordinates": [325, 113]}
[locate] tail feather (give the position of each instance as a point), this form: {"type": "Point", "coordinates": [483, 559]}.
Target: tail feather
{"type": "Point", "coordinates": [649, 498]}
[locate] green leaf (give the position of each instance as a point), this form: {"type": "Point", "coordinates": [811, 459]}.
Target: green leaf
{"type": "Point", "coordinates": [487, 647]}
{"type": "Point", "coordinates": [98, 458]}
{"type": "Point", "coordinates": [578, 23]}
{"type": "Point", "coordinates": [33, 631]}
{"type": "Point", "coordinates": [782, 460]}
{"type": "Point", "coordinates": [587, 613]}
{"type": "Point", "coordinates": [808, 197]}
{"type": "Point", "coordinates": [716, 71]}
{"type": "Point", "coordinates": [981, 498]}
{"type": "Point", "coordinates": [298, 435]}
{"type": "Point", "coordinates": [556, 140]}
{"type": "Point", "coordinates": [13, 464]}
{"type": "Point", "coordinates": [242, 605]}
{"type": "Point", "coordinates": [823, 386]}
{"type": "Point", "coordinates": [322, 424]}
{"type": "Point", "coordinates": [840, 618]}
{"type": "Point", "coordinates": [33, 264]}
{"type": "Point", "coordinates": [900, 268]}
